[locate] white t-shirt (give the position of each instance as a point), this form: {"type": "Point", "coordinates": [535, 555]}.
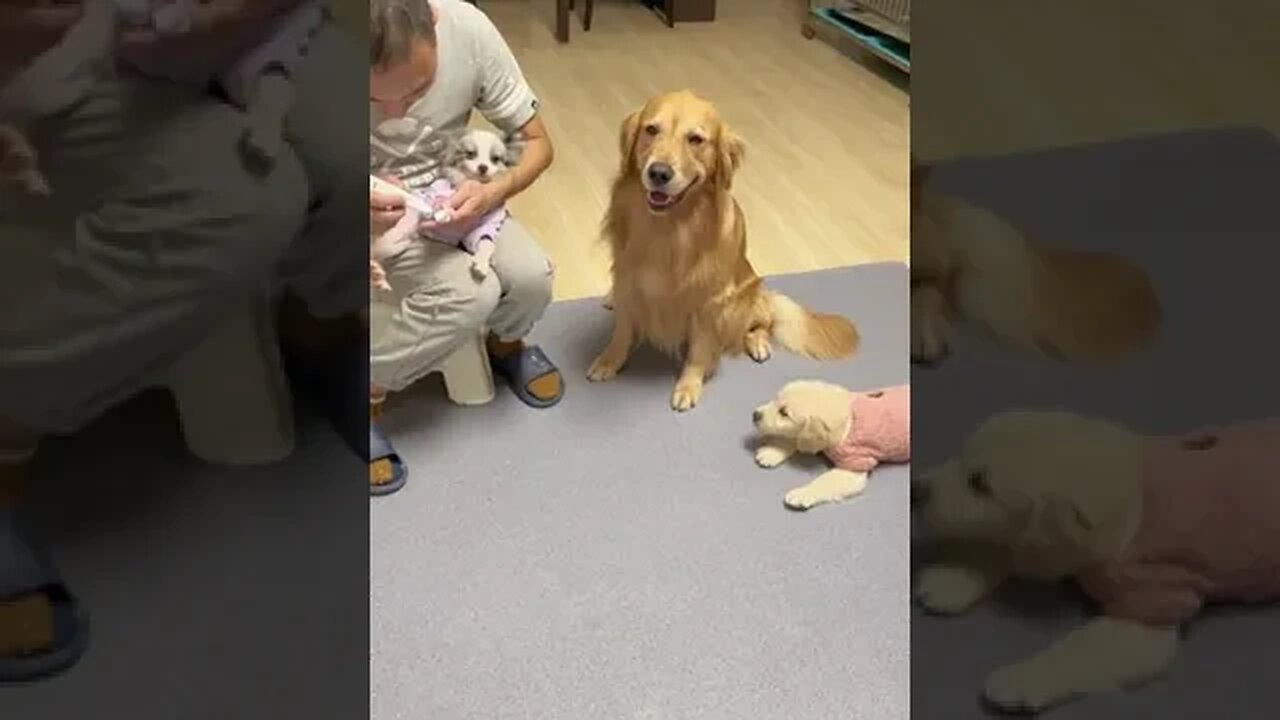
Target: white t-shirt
{"type": "Point", "coordinates": [475, 71]}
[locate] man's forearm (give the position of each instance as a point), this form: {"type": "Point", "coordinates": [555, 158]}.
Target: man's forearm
{"type": "Point", "coordinates": [247, 18]}
{"type": "Point", "coordinates": [26, 31]}
{"type": "Point", "coordinates": [534, 161]}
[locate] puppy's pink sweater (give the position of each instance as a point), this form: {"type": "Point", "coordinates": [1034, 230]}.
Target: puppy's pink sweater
{"type": "Point", "coordinates": [1210, 528]}
{"type": "Point", "coordinates": [881, 430]}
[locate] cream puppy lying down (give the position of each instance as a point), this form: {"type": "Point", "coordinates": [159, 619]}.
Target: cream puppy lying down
{"type": "Point", "coordinates": [855, 430]}
{"type": "Point", "coordinates": [1152, 528]}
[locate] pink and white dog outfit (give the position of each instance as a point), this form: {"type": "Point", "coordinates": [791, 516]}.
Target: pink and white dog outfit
{"type": "Point", "coordinates": [880, 431]}
{"type": "Point", "coordinates": [1210, 528]}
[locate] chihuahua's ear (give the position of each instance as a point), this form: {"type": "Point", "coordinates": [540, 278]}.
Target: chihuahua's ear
{"type": "Point", "coordinates": [515, 144]}
{"type": "Point", "coordinates": [448, 145]}
{"type": "Point", "coordinates": [814, 435]}
{"type": "Point", "coordinates": [628, 134]}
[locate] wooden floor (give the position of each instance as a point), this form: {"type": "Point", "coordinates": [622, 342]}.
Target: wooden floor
{"type": "Point", "coordinates": [1150, 71]}
{"type": "Point", "coordinates": [825, 181]}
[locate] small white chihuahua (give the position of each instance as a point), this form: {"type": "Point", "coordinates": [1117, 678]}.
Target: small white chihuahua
{"type": "Point", "coordinates": [474, 155]}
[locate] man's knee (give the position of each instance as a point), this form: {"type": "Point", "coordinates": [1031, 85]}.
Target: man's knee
{"type": "Point", "coordinates": [198, 201]}
{"type": "Point", "coordinates": [463, 303]}
{"type": "Point", "coordinates": [530, 284]}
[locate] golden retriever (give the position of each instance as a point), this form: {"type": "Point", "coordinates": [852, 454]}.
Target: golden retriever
{"type": "Point", "coordinates": [969, 265]}
{"type": "Point", "coordinates": [681, 278]}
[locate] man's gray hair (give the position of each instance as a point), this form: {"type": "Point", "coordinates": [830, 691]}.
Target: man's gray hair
{"type": "Point", "coordinates": [394, 26]}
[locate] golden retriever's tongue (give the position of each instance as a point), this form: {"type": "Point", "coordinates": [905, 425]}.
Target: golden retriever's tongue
{"type": "Point", "coordinates": [658, 199]}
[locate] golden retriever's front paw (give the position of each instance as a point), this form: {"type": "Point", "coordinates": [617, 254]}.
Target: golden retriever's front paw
{"type": "Point", "coordinates": [1025, 687]}
{"type": "Point", "coordinates": [768, 456]}
{"type": "Point", "coordinates": [686, 395]}
{"type": "Point", "coordinates": [949, 589]}
{"type": "Point", "coordinates": [603, 369]}
{"type": "Point", "coordinates": [758, 346]}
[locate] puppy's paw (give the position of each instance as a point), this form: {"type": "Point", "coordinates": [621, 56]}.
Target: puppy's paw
{"type": "Point", "coordinates": [378, 277]}
{"type": "Point", "coordinates": [608, 301]}
{"type": "Point", "coordinates": [686, 395]}
{"type": "Point", "coordinates": [260, 147]}
{"type": "Point", "coordinates": [768, 456]}
{"type": "Point", "coordinates": [603, 369]}
{"type": "Point", "coordinates": [950, 589]}
{"type": "Point", "coordinates": [32, 183]}
{"type": "Point", "coordinates": [480, 269]}
{"type": "Point", "coordinates": [1025, 687]}
{"type": "Point", "coordinates": [830, 487]}
{"type": "Point", "coordinates": [803, 498]}
{"type": "Point", "coordinates": [757, 345]}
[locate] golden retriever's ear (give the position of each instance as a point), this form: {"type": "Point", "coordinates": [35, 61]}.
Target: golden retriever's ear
{"type": "Point", "coordinates": [627, 137]}
{"type": "Point", "coordinates": [1061, 537]}
{"type": "Point", "coordinates": [730, 152]}
{"type": "Point", "coordinates": [814, 435]}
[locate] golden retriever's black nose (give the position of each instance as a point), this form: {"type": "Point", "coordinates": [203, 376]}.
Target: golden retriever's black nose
{"type": "Point", "coordinates": [755, 416]}
{"type": "Point", "coordinates": [660, 173]}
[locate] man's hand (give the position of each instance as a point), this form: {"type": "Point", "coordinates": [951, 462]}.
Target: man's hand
{"type": "Point", "coordinates": [385, 209]}
{"type": "Point", "coordinates": [27, 30]}
{"type": "Point", "coordinates": [471, 202]}
{"type": "Point", "coordinates": [216, 28]}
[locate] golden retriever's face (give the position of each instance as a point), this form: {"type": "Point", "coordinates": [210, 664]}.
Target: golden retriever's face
{"type": "Point", "coordinates": [814, 415]}
{"type": "Point", "coordinates": [678, 146]}
{"type": "Point", "coordinates": [1054, 487]}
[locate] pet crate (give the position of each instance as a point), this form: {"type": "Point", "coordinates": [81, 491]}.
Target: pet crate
{"type": "Point", "coordinates": [896, 13]}
{"type": "Point", "coordinates": [883, 27]}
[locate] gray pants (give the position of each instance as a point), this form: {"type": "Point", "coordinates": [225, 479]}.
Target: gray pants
{"type": "Point", "coordinates": [437, 303]}
{"type": "Point", "coordinates": [158, 227]}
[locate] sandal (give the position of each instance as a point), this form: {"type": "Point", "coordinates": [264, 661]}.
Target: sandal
{"type": "Point", "coordinates": [380, 449]}
{"type": "Point", "coordinates": [27, 570]}
{"type": "Point", "coordinates": [521, 368]}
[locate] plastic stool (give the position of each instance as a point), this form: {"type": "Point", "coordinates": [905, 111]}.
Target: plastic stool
{"type": "Point", "coordinates": [468, 377]}
{"type": "Point", "coordinates": [232, 394]}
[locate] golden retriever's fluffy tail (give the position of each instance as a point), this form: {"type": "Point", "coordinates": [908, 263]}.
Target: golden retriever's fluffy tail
{"type": "Point", "coordinates": [812, 334]}
{"type": "Point", "coordinates": [1093, 306]}
{"type": "Point", "coordinates": [1069, 304]}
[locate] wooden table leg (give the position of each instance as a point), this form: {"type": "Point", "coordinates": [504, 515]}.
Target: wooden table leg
{"type": "Point", "coordinates": [562, 20]}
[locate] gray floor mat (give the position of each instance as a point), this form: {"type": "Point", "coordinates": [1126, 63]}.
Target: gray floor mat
{"type": "Point", "coordinates": [1197, 212]}
{"type": "Point", "coordinates": [609, 558]}
{"type": "Point", "coordinates": [213, 593]}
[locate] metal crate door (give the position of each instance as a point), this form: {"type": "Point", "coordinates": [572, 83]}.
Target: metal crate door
{"type": "Point", "coordinates": [896, 11]}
